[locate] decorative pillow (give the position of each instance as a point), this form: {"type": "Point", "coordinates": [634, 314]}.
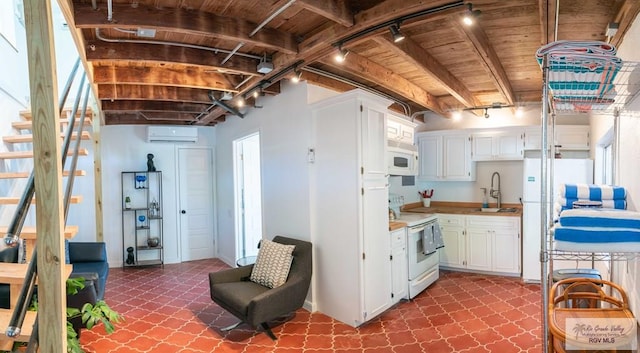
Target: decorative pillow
{"type": "Point", "coordinates": [273, 263]}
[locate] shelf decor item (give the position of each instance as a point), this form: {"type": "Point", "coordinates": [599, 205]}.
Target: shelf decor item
{"type": "Point", "coordinates": [426, 197]}
{"type": "Point", "coordinates": [142, 223]}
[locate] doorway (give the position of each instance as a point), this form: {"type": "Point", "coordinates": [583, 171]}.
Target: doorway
{"type": "Point", "coordinates": [195, 197]}
{"type": "Point", "coordinates": [248, 195]}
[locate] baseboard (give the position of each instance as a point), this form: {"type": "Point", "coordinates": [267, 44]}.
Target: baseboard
{"type": "Point", "coordinates": [309, 306]}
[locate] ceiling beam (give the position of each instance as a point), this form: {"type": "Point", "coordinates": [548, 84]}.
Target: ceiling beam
{"type": "Point", "coordinates": [148, 92]}
{"type": "Point", "coordinates": [119, 52]}
{"type": "Point", "coordinates": [625, 17]}
{"type": "Point", "coordinates": [153, 106]}
{"type": "Point", "coordinates": [547, 11]}
{"type": "Point", "coordinates": [181, 21]}
{"type": "Point", "coordinates": [417, 56]}
{"type": "Point", "coordinates": [148, 118]}
{"type": "Point", "coordinates": [214, 115]}
{"type": "Point", "coordinates": [190, 77]}
{"type": "Point", "coordinates": [378, 74]}
{"type": "Point", "coordinates": [335, 10]}
{"type": "Point", "coordinates": [489, 59]}
{"type": "Point", "coordinates": [326, 82]}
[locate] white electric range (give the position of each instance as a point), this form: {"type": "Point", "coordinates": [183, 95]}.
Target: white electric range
{"type": "Point", "coordinates": [423, 268]}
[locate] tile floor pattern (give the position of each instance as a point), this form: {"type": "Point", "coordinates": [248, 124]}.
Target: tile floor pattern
{"type": "Point", "coordinates": [169, 310]}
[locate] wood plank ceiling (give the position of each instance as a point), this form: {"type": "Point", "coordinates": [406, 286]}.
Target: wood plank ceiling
{"type": "Point", "coordinates": [175, 61]}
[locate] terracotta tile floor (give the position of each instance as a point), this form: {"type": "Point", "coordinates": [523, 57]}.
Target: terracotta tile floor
{"type": "Point", "coordinates": [169, 310]}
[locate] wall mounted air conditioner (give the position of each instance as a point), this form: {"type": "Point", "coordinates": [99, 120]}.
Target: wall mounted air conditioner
{"type": "Point", "coordinates": [172, 134]}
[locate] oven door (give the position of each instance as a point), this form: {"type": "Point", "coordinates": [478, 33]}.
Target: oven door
{"type": "Point", "coordinates": [419, 263]}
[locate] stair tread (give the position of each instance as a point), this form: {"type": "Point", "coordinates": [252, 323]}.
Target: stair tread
{"type": "Point", "coordinates": [26, 125]}
{"type": "Point", "coordinates": [15, 200]}
{"type": "Point", "coordinates": [29, 154]}
{"type": "Point", "coordinates": [28, 115]}
{"type": "Point", "coordinates": [26, 138]}
{"type": "Point", "coordinates": [15, 175]}
{"type": "Point", "coordinates": [27, 326]}
{"type": "Point", "coordinates": [29, 232]}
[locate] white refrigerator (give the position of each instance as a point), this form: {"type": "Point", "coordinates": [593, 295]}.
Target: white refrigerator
{"type": "Point", "coordinates": [566, 171]}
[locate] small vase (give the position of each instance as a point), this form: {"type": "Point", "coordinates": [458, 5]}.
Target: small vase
{"type": "Point", "coordinates": [426, 202]}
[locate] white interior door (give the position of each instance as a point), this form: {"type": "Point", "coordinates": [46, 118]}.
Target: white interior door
{"type": "Point", "coordinates": [248, 195]}
{"type": "Point", "coordinates": [196, 180]}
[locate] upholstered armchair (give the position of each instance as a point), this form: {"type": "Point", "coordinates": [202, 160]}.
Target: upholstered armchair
{"type": "Point", "coordinates": [256, 304]}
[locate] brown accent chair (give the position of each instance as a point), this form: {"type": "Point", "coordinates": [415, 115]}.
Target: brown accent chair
{"type": "Point", "coordinates": [255, 304]}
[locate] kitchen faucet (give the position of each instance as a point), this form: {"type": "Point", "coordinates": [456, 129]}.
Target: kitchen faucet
{"type": "Point", "coordinates": [496, 193]}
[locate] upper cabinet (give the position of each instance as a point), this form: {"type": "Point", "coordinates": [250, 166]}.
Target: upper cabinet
{"type": "Point", "coordinates": [400, 129]}
{"type": "Point", "coordinates": [567, 137]}
{"type": "Point", "coordinates": [445, 156]}
{"type": "Point", "coordinates": [499, 144]}
{"type": "Point", "coordinates": [572, 137]}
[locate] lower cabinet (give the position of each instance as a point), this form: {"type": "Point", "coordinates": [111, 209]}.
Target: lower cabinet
{"type": "Point", "coordinates": [481, 243]}
{"type": "Point", "coordinates": [399, 266]}
{"type": "Point", "coordinates": [453, 254]}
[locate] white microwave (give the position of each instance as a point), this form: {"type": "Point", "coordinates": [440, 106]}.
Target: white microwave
{"type": "Point", "coordinates": [402, 158]}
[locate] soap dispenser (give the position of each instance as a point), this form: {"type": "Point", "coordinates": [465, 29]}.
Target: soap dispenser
{"type": "Point", "coordinates": [485, 201]}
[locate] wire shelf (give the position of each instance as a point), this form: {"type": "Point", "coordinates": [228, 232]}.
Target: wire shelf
{"type": "Point", "coordinates": [599, 86]}
{"type": "Point", "coordinates": [589, 256]}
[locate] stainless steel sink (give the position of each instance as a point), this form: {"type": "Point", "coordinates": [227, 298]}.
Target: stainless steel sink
{"type": "Point", "coordinates": [510, 210]}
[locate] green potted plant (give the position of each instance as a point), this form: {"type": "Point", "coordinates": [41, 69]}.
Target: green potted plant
{"type": "Point", "coordinates": [91, 314]}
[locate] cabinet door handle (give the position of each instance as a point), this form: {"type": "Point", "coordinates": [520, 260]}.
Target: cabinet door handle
{"type": "Point", "coordinates": [183, 212]}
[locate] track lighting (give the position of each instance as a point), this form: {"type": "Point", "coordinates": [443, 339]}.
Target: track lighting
{"type": "Point", "coordinates": [456, 115]}
{"type": "Point", "coordinates": [486, 113]}
{"type": "Point", "coordinates": [519, 112]}
{"type": "Point", "coordinates": [471, 15]}
{"type": "Point", "coordinates": [395, 33]}
{"type": "Point", "coordinates": [342, 54]}
{"type": "Point", "coordinates": [297, 74]}
{"type": "Point", "coordinates": [240, 101]}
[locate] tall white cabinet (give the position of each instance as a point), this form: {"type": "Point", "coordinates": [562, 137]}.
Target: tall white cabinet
{"type": "Point", "coordinates": [349, 198]}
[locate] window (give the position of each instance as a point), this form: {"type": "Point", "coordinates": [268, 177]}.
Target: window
{"type": "Point", "coordinates": [604, 165]}
{"type": "Point", "coordinates": [8, 22]}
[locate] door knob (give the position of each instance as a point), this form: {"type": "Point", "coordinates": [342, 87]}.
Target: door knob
{"type": "Point", "coordinates": [183, 212]}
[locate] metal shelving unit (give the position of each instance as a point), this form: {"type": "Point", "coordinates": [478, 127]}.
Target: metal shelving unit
{"type": "Point", "coordinates": [142, 228]}
{"type": "Point", "coordinates": [571, 86]}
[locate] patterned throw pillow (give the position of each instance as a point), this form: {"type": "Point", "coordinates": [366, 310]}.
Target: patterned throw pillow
{"type": "Point", "coordinates": [272, 265]}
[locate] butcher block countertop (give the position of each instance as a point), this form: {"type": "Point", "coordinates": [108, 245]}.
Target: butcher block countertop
{"type": "Point", "coordinates": [393, 225]}
{"type": "Point", "coordinates": [462, 208]}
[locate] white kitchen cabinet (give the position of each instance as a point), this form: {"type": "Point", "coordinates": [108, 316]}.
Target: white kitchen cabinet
{"type": "Point", "coordinates": [500, 144]}
{"type": "Point", "coordinates": [445, 156]}
{"type": "Point", "coordinates": [567, 137]}
{"type": "Point", "coordinates": [399, 267]}
{"type": "Point", "coordinates": [499, 239]}
{"type": "Point", "coordinates": [572, 137]}
{"type": "Point", "coordinates": [453, 253]}
{"type": "Point", "coordinates": [349, 217]}
{"type": "Point", "coordinates": [533, 138]}
{"type": "Point", "coordinates": [400, 129]}
{"type": "Point", "coordinates": [481, 243]}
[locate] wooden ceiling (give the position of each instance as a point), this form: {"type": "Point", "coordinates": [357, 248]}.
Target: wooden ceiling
{"type": "Point", "coordinates": [178, 75]}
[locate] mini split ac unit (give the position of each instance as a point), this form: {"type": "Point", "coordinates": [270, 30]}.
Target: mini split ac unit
{"type": "Point", "coordinates": [172, 134]}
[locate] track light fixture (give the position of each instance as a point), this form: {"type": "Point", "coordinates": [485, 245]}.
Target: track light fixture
{"type": "Point", "coordinates": [395, 33]}
{"type": "Point", "coordinates": [486, 113]}
{"type": "Point", "coordinates": [471, 15]}
{"type": "Point", "coordinates": [342, 54]}
{"type": "Point", "coordinates": [240, 102]}
{"type": "Point", "coordinates": [297, 74]}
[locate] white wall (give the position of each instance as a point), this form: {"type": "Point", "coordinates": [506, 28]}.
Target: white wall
{"type": "Point", "coordinates": [628, 273]}
{"type": "Point", "coordinates": [284, 126]}
{"type": "Point", "coordinates": [125, 148]}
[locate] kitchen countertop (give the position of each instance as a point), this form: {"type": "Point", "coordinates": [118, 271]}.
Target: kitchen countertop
{"type": "Point", "coordinates": [393, 225]}
{"type": "Point", "coordinates": [461, 208]}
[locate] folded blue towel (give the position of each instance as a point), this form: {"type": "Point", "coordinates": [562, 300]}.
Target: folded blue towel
{"type": "Point", "coordinates": [592, 192]}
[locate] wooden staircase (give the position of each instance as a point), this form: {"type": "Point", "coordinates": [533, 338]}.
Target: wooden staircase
{"type": "Point", "coordinates": [14, 274]}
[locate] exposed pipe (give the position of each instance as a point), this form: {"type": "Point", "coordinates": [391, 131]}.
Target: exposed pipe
{"type": "Point", "coordinates": [235, 50]}
{"type": "Point", "coordinates": [243, 82]}
{"type": "Point", "coordinates": [271, 17]}
{"type": "Point", "coordinates": [110, 10]}
{"type": "Point", "coordinates": [177, 44]}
